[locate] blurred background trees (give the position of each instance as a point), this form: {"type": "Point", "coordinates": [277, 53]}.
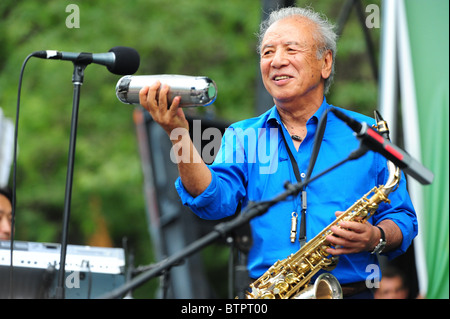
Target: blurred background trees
{"type": "Point", "coordinates": [196, 37]}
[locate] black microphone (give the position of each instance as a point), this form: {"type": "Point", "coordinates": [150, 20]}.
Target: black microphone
{"type": "Point", "coordinates": [377, 143]}
{"type": "Point", "coordinates": [119, 60]}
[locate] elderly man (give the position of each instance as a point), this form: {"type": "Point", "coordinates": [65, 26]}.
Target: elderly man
{"type": "Point", "coordinates": [297, 52]}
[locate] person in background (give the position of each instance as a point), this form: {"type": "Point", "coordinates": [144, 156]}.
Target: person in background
{"type": "Point", "coordinates": [393, 285]}
{"type": "Point", "coordinates": [5, 213]}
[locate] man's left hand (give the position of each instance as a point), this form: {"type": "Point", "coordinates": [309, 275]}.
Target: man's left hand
{"type": "Point", "coordinates": [351, 237]}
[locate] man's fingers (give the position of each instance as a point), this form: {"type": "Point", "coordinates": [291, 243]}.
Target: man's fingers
{"type": "Point", "coordinates": [174, 106]}
{"type": "Point", "coordinates": [162, 98]}
{"type": "Point", "coordinates": [147, 97]}
{"type": "Point", "coordinates": [143, 96]}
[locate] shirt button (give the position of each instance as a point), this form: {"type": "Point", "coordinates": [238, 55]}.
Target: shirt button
{"type": "Point", "coordinates": [303, 175]}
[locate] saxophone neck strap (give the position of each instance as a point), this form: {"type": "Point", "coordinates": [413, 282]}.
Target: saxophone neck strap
{"type": "Point", "coordinates": [315, 152]}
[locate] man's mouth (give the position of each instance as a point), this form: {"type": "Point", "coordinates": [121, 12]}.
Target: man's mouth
{"type": "Point", "coordinates": [281, 77]}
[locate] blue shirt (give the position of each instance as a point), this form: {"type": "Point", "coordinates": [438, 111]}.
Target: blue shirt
{"type": "Point", "coordinates": [253, 165]}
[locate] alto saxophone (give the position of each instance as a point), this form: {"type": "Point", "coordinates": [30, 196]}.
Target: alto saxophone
{"type": "Point", "coordinates": [290, 278]}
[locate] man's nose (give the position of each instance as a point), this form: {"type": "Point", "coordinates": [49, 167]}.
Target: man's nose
{"type": "Point", "coordinates": [279, 59]}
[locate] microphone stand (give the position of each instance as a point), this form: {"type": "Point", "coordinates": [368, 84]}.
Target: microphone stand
{"type": "Point", "coordinates": [77, 80]}
{"type": "Point", "coordinates": [254, 209]}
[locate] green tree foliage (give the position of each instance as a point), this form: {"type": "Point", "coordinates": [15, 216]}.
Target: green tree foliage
{"type": "Point", "coordinates": [195, 37]}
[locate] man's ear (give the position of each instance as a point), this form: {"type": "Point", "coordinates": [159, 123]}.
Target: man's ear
{"type": "Point", "coordinates": [327, 64]}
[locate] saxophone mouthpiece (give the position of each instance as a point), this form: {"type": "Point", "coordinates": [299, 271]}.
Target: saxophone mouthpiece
{"type": "Point", "coordinates": [381, 125]}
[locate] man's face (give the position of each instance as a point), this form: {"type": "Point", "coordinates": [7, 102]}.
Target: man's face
{"type": "Point", "coordinates": [289, 66]}
{"type": "Point", "coordinates": [5, 218]}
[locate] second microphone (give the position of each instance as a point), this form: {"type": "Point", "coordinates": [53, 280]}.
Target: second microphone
{"type": "Point", "coordinates": [194, 90]}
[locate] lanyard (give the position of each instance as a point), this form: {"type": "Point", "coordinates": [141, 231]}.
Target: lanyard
{"type": "Point", "coordinates": [318, 141]}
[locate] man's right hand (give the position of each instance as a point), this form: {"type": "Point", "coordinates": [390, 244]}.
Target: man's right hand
{"type": "Point", "coordinates": [156, 104]}
{"type": "Point", "coordinates": [193, 171]}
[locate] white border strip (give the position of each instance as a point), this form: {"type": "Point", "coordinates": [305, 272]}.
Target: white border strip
{"type": "Point", "coordinates": [411, 137]}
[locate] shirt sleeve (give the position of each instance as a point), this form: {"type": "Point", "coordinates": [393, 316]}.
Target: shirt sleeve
{"type": "Point", "coordinates": [227, 188]}
{"type": "Point", "coordinates": [401, 211]}
{"type": "Point", "coordinates": [200, 204]}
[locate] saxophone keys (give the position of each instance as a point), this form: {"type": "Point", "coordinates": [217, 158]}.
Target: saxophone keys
{"type": "Point", "coordinates": [280, 287]}
{"type": "Point", "coordinates": [268, 295]}
{"type": "Point", "coordinates": [314, 257]}
{"type": "Point", "coordinates": [331, 263]}
{"type": "Point", "coordinates": [291, 278]}
{"type": "Point", "coordinates": [303, 267]}
{"type": "Point", "coordinates": [323, 250]}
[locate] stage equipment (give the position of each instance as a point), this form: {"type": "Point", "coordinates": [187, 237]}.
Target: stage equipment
{"type": "Point", "coordinates": [90, 271]}
{"type": "Point", "coordinates": [291, 277]}
{"type": "Point", "coordinates": [377, 143]}
{"type": "Point", "coordinates": [119, 60]}
{"type": "Point", "coordinates": [194, 90]}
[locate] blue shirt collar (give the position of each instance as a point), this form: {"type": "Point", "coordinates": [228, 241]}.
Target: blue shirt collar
{"type": "Point", "coordinates": [275, 116]}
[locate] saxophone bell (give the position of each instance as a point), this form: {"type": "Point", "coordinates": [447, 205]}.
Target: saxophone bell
{"type": "Point", "coordinates": [326, 286]}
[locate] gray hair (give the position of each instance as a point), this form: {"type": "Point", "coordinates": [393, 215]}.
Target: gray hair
{"type": "Point", "coordinates": [325, 35]}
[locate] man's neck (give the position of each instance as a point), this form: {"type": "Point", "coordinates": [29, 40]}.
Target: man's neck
{"type": "Point", "coordinates": [295, 115]}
